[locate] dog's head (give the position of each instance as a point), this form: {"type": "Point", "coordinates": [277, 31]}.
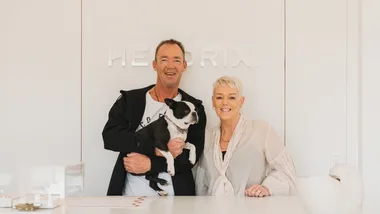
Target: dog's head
{"type": "Point", "coordinates": [182, 113]}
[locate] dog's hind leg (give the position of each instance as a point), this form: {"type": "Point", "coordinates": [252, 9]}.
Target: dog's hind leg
{"type": "Point", "coordinates": [155, 187]}
{"type": "Point", "coordinates": [153, 184]}
{"type": "Point", "coordinates": [192, 154]}
{"type": "Point", "coordinates": [161, 181]}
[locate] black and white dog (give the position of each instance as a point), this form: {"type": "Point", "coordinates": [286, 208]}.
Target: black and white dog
{"type": "Point", "coordinates": [174, 124]}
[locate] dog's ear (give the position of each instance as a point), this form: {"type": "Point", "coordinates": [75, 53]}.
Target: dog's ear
{"type": "Point", "coordinates": [170, 102]}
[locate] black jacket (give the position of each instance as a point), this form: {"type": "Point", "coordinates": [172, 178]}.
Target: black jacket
{"type": "Point", "coordinates": [119, 135]}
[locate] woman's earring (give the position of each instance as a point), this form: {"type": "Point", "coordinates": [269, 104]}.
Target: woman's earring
{"type": "Point", "coordinates": [213, 108]}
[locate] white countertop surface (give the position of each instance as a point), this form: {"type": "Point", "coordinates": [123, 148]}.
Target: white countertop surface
{"type": "Point", "coordinates": [173, 205]}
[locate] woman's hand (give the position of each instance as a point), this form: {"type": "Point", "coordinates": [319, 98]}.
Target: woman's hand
{"type": "Point", "coordinates": [257, 190]}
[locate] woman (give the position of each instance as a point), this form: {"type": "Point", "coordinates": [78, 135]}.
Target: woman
{"type": "Point", "coordinates": [241, 156]}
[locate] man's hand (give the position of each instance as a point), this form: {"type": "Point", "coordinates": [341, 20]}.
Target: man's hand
{"type": "Point", "coordinates": [176, 146]}
{"type": "Point", "coordinates": [136, 163]}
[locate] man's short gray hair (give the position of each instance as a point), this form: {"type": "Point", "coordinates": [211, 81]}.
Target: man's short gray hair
{"type": "Point", "coordinates": [230, 81]}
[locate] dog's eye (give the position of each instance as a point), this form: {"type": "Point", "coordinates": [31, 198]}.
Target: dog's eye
{"type": "Point", "coordinates": [187, 111]}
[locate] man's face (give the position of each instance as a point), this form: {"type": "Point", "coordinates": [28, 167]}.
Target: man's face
{"type": "Point", "coordinates": [169, 64]}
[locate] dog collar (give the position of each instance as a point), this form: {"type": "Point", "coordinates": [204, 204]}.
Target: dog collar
{"type": "Point", "coordinates": [181, 130]}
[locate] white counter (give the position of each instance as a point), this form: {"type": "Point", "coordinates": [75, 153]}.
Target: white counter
{"type": "Point", "coordinates": [174, 205]}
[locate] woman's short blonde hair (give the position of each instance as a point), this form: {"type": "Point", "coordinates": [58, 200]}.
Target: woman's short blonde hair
{"type": "Point", "coordinates": [230, 81]}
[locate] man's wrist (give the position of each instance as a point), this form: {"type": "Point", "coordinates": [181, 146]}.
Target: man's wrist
{"type": "Point", "coordinates": [149, 165]}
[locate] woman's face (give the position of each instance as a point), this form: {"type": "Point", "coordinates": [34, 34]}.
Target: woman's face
{"type": "Point", "coordinates": [227, 102]}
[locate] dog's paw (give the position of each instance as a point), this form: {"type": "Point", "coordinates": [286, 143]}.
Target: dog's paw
{"type": "Point", "coordinates": [192, 154]}
{"type": "Point", "coordinates": [192, 157]}
{"type": "Point", "coordinates": [162, 193]}
{"type": "Point", "coordinates": [171, 172]}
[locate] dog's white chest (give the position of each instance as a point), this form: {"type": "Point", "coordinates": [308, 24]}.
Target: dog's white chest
{"type": "Point", "coordinates": [176, 133]}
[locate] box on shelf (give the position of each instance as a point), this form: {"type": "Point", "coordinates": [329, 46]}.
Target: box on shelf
{"type": "Point", "coordinates": [8, 190]}
{"type": "Point", "coordinates": [42, 201]}
{"type": "Point", "coordinates": [41, 185]}
{"type": "Point", "coordinates": [62, 180]}
{"type": "Point", "coordinates": [6, 201]}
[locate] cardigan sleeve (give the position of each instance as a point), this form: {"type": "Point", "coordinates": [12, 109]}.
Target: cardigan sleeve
{"type": "Point", "coordinates": [280, 178]}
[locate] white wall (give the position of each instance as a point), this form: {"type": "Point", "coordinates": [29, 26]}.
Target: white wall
{"type": "Point", "coordinates": [129, 26]}
{"type": "Point", "coordinates": [40, 92]}
{"type": "Point", "coordinates": [370, 108]}
{"type": "Point", "coordinates": [324, 101]}
{"type": "Point", "coordinates": [316, 48]}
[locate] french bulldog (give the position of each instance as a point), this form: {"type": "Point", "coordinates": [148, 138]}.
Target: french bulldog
{"type": "Point", "coordinates": [174, 124]}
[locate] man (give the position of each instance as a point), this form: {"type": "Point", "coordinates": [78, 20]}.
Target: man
{"type": "Point", "coordinates": [136, 109]}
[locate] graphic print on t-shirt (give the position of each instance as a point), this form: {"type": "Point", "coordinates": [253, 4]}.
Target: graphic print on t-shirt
{"type": "Point", "coordinates": [148, 120]}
